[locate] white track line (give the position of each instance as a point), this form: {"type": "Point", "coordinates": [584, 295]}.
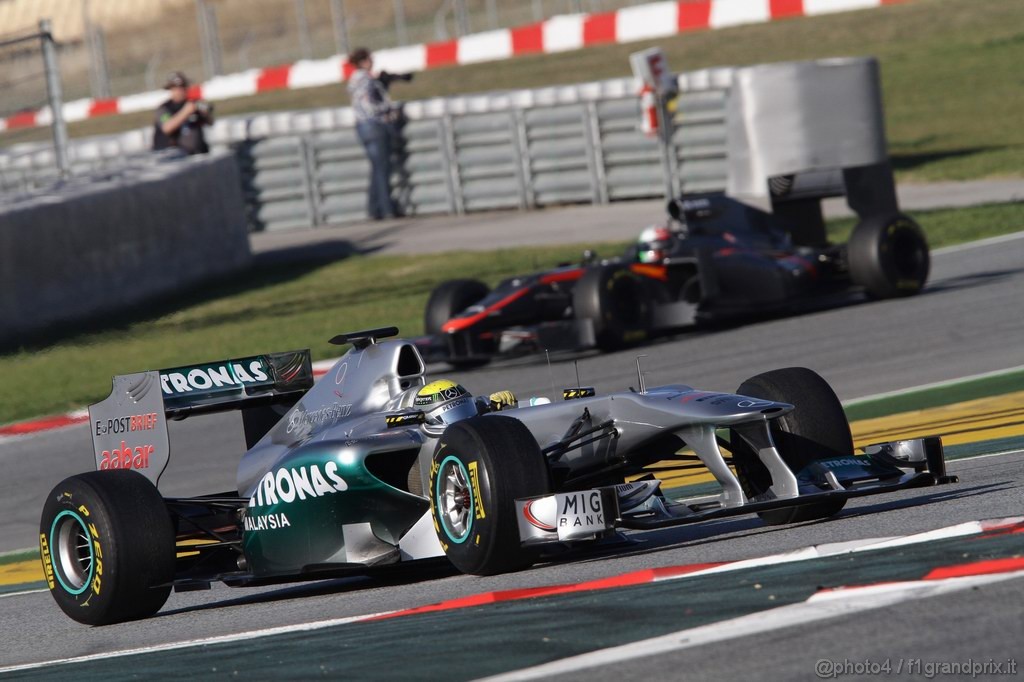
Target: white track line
{"type": "Point", "coordinates": [938, 384]}
{"type": "Point", "coordinates": [1016, 451]}
{"type": "Point", "coordinates": [822, 606]}
{"type": "Point", "coordinates": [837, 548]}
{"type": "Point", "coordinates": [967, 246]}
{"type": "Point", "coordinates": [204, 641]}
{"type": "Point", "coordinates": [22, 593]}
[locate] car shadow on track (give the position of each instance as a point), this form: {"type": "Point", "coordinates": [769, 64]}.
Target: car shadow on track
{"type": "Point", "coordinates": [634, 545]}
{"type": "Point", "coordinates": [941, 495]}
{"type": "Point", "coordinates": [709, 534]}
{"type": "Point", "coordinates": [386, 576]}
{"type": "Point", "coordinates": [975, 279]}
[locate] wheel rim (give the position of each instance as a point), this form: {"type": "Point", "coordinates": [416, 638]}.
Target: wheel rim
{"type": "Point", "coordinates": [74, 560]}
{"type": "Point", "coordinates": [454, 499]}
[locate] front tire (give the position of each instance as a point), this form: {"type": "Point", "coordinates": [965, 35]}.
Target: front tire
{"type": "Point", "coordinates": [481, 465]}
{"type": "Point", "coordinates": [618, 304]}
{"type": "Point", "coordinates": [446, 301]}
{"type": "Point", "coordinates": [816, 429]}
{"type": "Point", "coordinates": [888, 256]}
{"type": "Point", "coordinates": [449, 299]}
{"type": "Point", "coordinates": [107, 547]}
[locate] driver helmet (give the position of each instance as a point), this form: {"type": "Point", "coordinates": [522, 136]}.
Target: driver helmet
{"type": "Point", "coordinates": [653, 244]}
{"type": "Point", "coordinates": [444, 402]}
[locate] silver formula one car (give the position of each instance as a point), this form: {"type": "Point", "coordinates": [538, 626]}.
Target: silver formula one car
{"type": "Point", "coordinates": [373, 466]}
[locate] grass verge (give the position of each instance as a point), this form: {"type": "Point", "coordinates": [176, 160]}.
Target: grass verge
{"type": "Point", "coordinates": [297, 306]}
{"type": "Point", "coordinates": [937, 396]}
{"type": "Point", "coordinates": [950, 72]}
{"type": "Point", "coordinates": [18, 556]}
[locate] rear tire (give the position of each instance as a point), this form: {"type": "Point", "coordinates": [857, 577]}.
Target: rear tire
{"type": "Point", "coordinates": [816, 429]}
{"type": "Point", "coordinates": [107, 546]}
{"type": "Point", "coordinates": [481, 465]}
{"type": "Point", "coordinates": [449, 299]}
{"type": "Point", "coordinates": [618, 304]}
{"type": "Point", "coordinates": [888, 256]}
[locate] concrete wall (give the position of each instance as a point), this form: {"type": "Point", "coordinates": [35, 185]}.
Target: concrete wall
{"type": "Point", "coordinates": [100, 244]}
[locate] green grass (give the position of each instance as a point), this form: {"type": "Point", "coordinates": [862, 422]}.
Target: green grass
{"type": "Point", "coordinates": [950, 68]}
{"type": "Point", "coordinates": [270, 308]}
{"type": "Point", "coordinates": [18, 556]}
{"type": "Point", "coordinates": [953, 226]}
{"type": "Point", "coordinates": [927, 398]}
{"type": "Point", "coordinates": [298, 306]}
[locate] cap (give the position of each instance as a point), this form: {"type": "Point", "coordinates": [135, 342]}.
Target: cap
{"type": "Point", "coordinates": [176, 79]}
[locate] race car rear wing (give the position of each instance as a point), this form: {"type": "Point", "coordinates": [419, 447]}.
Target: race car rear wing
{"type": "Point", "coordinates": [129, 427]}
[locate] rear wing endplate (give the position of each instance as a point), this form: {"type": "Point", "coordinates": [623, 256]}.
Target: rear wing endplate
{"type": "Point", "coordinates": [129, 428]}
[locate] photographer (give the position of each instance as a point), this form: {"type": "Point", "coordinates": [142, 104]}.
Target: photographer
{"type": "Point", "coordinates": [180, 121]}
{"type": "Point", "coordinates": [377, 122]}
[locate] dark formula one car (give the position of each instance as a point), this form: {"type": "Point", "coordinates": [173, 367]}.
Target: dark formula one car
{"type": "Point", "coordinates": [721, 260]}
{"type": "Point", "coordinates": [373, 466]}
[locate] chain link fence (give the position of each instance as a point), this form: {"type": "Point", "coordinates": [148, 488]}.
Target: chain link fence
{"type": "Point", "coordinates": [22, 75]}
{"type": "Point", "coordinates": [30, 89]}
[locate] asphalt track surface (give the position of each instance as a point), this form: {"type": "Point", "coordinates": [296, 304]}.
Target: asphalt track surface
{"type": "Point", "coordinates": [969, 321]}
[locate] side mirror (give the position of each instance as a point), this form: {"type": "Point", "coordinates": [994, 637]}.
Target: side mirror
{"type": "Point", "coordinates": [675, 209]}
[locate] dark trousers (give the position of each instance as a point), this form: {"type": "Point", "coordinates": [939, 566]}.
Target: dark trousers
{"type": "Point", "coordinates": [376, 139]}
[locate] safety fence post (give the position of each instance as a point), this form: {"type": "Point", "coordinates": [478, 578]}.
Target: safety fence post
{"type": "Point", "coordinates": [665, 148]}
{"type": "Point", "coordinates": [400, 31]}
{"type": "Point", "coordinates": [523, 145]}
{"type": "Point", "coordinates": [212, 62]}
{"type": "Point", "coordinates": [302, 24]}
{"type": "Point", "coordinates": [55, 99]}
{"type": "Point", "coordinates": [596, 153]}
{"type": "Point", "coordinates": [340, 27]}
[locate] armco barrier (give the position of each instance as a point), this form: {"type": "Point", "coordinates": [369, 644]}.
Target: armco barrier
{"type": "Point", "coordinates": [99, 246]}
{"type": "Point", "coordinates": [518, 149]}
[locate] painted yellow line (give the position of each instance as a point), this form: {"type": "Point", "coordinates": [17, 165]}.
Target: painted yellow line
{"type": "Point", "coordinates": [28, 571]}
{"type": "Point", "coordinates": [968, 422]}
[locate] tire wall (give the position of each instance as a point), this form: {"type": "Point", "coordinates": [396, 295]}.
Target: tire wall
{"type": "Point", "coordinates": [100, 247]}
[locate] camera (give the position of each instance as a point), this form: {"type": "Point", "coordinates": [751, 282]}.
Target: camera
{"type": "Point", "coordinates": [386, 79]}
{"type": "Point", "coordinates": [203, 107]}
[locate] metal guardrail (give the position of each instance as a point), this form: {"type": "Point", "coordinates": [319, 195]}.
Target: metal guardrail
{"type": "Point", "coordinates": [589, 152]}
{"type": "Point", "coordinates": [578, 144]}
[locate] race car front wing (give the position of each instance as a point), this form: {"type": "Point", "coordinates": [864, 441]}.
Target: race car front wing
{"type": "Point", "coordinates": [641, 505]}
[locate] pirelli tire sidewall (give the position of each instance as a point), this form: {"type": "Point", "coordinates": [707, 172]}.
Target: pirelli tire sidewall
{"type": "Point", "coordinates": [501, 461]}
{"type": "Point", "coordinates": [107, 547]}
{"type": "Point", "coordinates": [888, 256]}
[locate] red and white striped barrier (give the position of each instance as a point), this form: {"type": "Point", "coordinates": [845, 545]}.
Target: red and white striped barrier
{"type": "Point", "coordinates": [558, 34]}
